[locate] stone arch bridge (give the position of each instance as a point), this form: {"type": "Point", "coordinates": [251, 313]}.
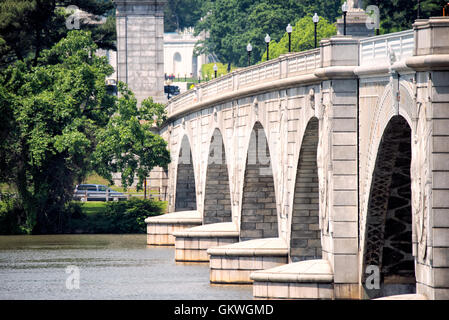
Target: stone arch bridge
{"type": "Point", "coordinates": [321, 174]}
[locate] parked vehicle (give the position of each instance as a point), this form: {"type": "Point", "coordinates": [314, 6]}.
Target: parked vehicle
{"type": "Point", "coordinates": [96, 192]}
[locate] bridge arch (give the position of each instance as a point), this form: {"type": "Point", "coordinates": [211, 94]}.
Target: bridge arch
{"type": "Point", "coordinates": [185, 189]}
{"type": "Point", "coordinates": [385, 109]}
{"type": "Point", "coordinates": [387, 244]}
{"type": "Point", "coordinates": [259, 217]}
{"type": "Point", "coordinates": [217, 196]}
{"type": "Point", "coordinates": [305, 235]}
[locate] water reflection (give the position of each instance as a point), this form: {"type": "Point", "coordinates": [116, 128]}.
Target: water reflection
{"type": "Point", "coordinates": [111, 267]}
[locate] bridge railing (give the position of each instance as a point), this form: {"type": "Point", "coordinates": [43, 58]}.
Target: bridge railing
{"type": "Point", "coordinates": [375, 50]}
{"type": "Point", "coordinates": [285, 66]}
{"type": "Point", "coordinates": [262, 72]}
{"type": "Point", "coordinates": [221, 85]}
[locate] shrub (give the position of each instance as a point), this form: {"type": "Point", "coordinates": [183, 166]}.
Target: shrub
{"type": "Point", "coordinates": [208, 69]}
{"type": "Point", "coordinates": [11, 214]}
{"type": "Point", "coordinates": [117, 217]}
{"type": "Point", "coordinates": [129, 216]}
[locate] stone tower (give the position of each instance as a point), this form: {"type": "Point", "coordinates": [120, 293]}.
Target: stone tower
{"type": "Point", "coordinates": [140, 45]}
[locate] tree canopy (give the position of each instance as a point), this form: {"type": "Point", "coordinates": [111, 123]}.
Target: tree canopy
{"type": "Point", "coordinates": [58, 123]}
{"type": "Point", "coordinates": [180, 14]}
{"type": "Point", "coordinates": [397, 15]}
{"type": "Point", "coordinates": [27, 27]}
{"type": "Point", "coordinates": [232, 24]}
{"type": "Point", "coordinates": [303, 37]}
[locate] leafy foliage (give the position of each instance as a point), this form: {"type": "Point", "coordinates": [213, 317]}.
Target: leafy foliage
{"type": "Point", "coordinates": [62, 124]}
{"type": "Point", "coordinates": [303, 37]}
{"type": "Point", "coordinates": [397, 15]}
{"type": "Point", "coordinates": [180, 14]}
{"type": "Point", "coordinates": [152, 111]}
{"type": "Point", "coordinates": [10, 216]}
{"type": "Point", "coordinates": [207, 70]}
{"type": "Point", "coordinates": [231, 24]}
{"type": "Point", "coordinates": [27, 27]}
{"type": "Point", "coordinates": [116, 217]}
{"type": "Point", "coordinates": [127, 145]}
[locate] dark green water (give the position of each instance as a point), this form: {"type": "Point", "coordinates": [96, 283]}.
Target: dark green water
{"type": "Point", "coordinates": [110, 267]}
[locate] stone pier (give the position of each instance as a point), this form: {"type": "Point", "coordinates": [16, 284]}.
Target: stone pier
{"type": "Point", "coordinates": [326, 165]}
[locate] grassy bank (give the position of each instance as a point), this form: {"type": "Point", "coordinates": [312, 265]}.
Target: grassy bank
{"type": "Point", "coordinates": [83, 217]}
{"type": "Point", "coordinates": [114, 217]}
{"type": "Point", "coordinates": [122, 217]}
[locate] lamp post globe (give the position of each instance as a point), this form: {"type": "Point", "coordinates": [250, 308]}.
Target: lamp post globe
{"type": "Point", "coordinates": [315, 20]}
{"type": "Point", "coordinates": [249, 49]}
{"type": "Point", "coordinates": [344, 8]}
{"type": "Point", "coordinates": [267, 41]}
{"type": "Point", "coordinates": [289, 30]}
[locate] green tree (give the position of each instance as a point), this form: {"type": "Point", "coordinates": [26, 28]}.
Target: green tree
{"type": "Point", "coordinates": [127, 145]}
{"type": "Point", "coordinates": [303, 37]}
{"type": "Point", "coordinates": [231, 24]}
{"type": "Point", "coordinates": [398, 15]}
{"type": "Point", "coordinates": [179, 14]}
{"type": "Point", "coordinates": [57, 116]}
{"type": "Point", "coordinates": [27, 27]}
{"type": "Point", "coordinates": [152, 112]}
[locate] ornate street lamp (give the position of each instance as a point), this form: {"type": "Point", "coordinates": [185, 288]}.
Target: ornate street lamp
{"type": "Point", "coordinates": [344, 8]}
{"type": "Point", "coordinates": [267, 41]}
{"type": "Point", "coordinates": [249, 49]}
{"type": "Point", "coordinates": [316, 19]}
{"type": "Point", "coordinates": [289, 30]}
{"type": "Point", "coordinates": [215, 70]}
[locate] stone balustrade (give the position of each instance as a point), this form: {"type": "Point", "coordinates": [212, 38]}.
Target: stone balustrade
{"type": "Point", "coordinates": [286, 66]}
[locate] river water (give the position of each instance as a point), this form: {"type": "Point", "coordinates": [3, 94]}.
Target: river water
{"type": "Point", "coordinates": [72, 267]}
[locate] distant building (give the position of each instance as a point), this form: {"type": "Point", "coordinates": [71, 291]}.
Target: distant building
{"type": "Point", "coordinates": [179, 58]}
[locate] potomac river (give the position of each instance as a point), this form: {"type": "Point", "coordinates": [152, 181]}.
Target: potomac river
{"type": "Point", "coordinates": [75, 267]}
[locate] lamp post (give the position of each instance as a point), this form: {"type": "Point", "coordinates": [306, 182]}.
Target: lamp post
{"type": "Point", "coordinates": [344, 8]}
{"type": "Point", "coordinates": [267, 41]}
{"type": "Point", "coordinates": [249, 49]}
{"type": "Point", "coordinates": [419, 9]}
{"type": "Point", "coordinates": [289, 30]}
{"type": "Point", "coordinates": [316, 19]}
{"type": "Point", "coordinates": [215, 70]}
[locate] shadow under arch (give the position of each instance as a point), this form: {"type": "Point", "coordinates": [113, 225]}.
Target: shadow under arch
{"type": "Point", "coordinates": [305, 235]}
{"type": "Point", "coordinates": [185, 179]}
{"type": "Point", "coordinates": [259, 214]}
{"type": "Point", "coordinates": [217, 196]}
{"type": "Point", "coordinates": [388, 262]}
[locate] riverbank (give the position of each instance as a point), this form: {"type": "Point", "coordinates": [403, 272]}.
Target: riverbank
{"type": "Point", "coordinates": [122, 217]}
